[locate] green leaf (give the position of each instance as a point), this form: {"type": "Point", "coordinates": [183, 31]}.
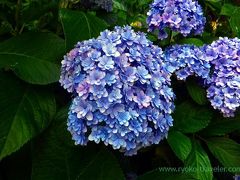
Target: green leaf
{"type": "Point", "coordinates": [151, 37]}
{"type": "Point", "coordinates": [189, 118]}
{"type": "Point", "coordinates": [227, 152]}
{"type": "Point", "coordinates": [197, 93]}
{"type": "Point", "coordinates": [5, 27]}
{"type": "Point", "coordinates": [144, 2]}
{"type": "Point", "coordinates": [24, 113]}
{"type": "Point", "coordinates": [234, 21]}
{"type": "Point", "coordinates": [118, 5]}
{"type": "Point", "coordinates": [180, 144]}
{"type": "Point", "coordinates": [79, 26]}
{"type": "Point", "coordinates": [221, 127]}
{"type": "Point", "coordinates": [37, 9]}
{"type": "Point", "coordinates": [60, 119]}
{"type": "Point", "coordinates": [228, 9]}
{"type": "Point", "coordinates": [198, 162]}
{"type": "Point", "coordinates": [214, 4]}
{"type": "Point", "coordinates": [193, 41]}
{"type": "Point", "coordinates": [208, 38]}
{"type": "Point", "coordinates": [34, 57]}
{"type": "Point", "coordinates": [6, 2]}
{"type": "Point", "coordinates": [233, 12]}
{"type": "Point", "coordinates": [166, 173]}
{"type": "Point", "coordinates": [54, 159]}
{"type": "Point", "coordinates": [101, 166]}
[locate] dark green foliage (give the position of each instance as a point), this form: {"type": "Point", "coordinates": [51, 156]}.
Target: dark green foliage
{"type": "Point", "coordinates": [34, 57]}
{"type": "Point", "coordinates": [191, 118]}
{"type": "Point", "coordinates": [25, 112]}
{"type": "Point", "coordinates": [55, 157]}
{"type": "Point", "coordinates": [221, 127]}
{"type": "Point", "coordinates": [227, 152]}
{"type": "Point", "coordinates": [197, 93]}
{"type": "Point", "coordinates": [73, 21]}
{"type": "Point", "coordinates": [180, 144]}
{"type": "Point", "coordinates": [34, 141]}
{"type": "Point", "coordinates": [198, 162]}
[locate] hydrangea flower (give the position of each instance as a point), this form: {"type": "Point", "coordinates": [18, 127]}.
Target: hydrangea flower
{"type": "Point", "coordinates": [187, 60]}
{"type": "Point", "coordinates": [224, 83]}
{"type": "Point", "coordinates": [103, 4]}
{"type": "Point", "coordinates": [183, 16]}
{"type": "Point", "coordinates": [122, 91]}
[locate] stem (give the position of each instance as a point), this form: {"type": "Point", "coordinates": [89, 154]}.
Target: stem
{"type": "Point", "coordinates": [171, 37]}
{"type": "Point", "coordinates": [17, 16]}
{"type": "Point", "coordinates": [21, 29]}
{"type": "Point", "coordinates": [199, 137]}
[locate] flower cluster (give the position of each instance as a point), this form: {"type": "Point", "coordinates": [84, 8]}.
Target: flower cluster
{"type": "Point", "coordinates": [122, 91]}
{"type": "Point", "coordinates": [104, 4]}
{"type": "Point", "coordinates": [183, 16]}
{"type": "Point", "coordinates": [224, 83]}
{"type": "Point", "coordinates": [187, 60]}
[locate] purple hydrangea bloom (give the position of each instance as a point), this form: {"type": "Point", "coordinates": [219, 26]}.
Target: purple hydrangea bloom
{"type": "Point", "coordinates": [224, 82]}
{"type": "Point", "coordinates": [183, 16]}
{"type": "Point", "coordinates": [123, 97]}
{"type": "Point", "coordinates": [187, 60]}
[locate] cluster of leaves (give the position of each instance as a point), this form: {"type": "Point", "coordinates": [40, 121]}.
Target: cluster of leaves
{"type": "Point", "coordinates": [34, 142]}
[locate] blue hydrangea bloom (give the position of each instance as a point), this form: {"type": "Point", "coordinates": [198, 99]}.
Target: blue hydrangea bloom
{"type": "Point", "coordinates": [224, 82]}
{"type": "Point", "coordinates": [187, 60]}
{"type": "Point", "coordinates": [104, 4]}
{"type": "Point", "coordinates": [122, 91]}
{"type": "Point", "coordinates": [183, 16]}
